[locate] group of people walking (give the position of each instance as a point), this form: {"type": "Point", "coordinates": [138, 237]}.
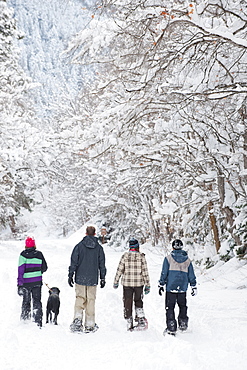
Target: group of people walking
{"type": "Point", "coordinates": [87, 269]}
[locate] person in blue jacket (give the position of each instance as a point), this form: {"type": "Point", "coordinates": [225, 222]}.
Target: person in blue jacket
{"type": "Point", "coordinates": [177, 273]}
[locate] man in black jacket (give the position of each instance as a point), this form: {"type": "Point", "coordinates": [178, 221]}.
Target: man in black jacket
{"type": "Point", "coordinates": [87, 263]}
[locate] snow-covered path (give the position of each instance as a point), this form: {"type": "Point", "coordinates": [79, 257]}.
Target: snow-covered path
{"type": "Point", "coordinates": [216, 340]}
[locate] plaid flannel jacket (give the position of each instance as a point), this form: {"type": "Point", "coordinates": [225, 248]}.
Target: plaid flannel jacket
{"type": "Point", "coordinates": [133, 269]}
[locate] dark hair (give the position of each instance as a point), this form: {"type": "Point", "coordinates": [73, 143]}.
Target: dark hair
{"type": "Point", "coordinates": [90, 230]}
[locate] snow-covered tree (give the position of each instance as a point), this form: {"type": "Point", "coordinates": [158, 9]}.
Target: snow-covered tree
{"type": "Point", "coordinates": [20, 150]}
{"type": "Point", "coordinates": [167, 112]}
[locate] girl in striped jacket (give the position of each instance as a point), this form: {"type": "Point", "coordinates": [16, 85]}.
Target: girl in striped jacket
{"type": "Point", "coordinates": [32, 265]}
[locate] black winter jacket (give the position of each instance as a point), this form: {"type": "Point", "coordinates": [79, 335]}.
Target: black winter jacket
{"type": "Point", "coordinates": [87, 262]}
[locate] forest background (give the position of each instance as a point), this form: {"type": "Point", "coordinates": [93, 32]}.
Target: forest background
{"type": "Point", "coordinates": [130, 114]}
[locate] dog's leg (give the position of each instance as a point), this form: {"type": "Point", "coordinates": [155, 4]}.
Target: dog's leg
{"type": "Point", "coordinates": [55, 318]}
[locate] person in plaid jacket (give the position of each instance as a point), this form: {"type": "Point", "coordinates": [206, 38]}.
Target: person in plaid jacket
{"type": "Point", "coordinates": [133, 269]}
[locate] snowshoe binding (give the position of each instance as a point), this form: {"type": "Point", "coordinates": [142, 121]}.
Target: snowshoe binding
{"type": "Point", "coordinates": [91, 329]}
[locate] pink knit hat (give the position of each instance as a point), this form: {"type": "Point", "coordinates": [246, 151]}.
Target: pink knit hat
{"type": "Point", "coordinates": [29, 242]}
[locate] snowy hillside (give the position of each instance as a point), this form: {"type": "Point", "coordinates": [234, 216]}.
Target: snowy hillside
{"type": "Point", "coordinates": [47, 27]}
{"type": "Point", "coordinates": [218, 319]}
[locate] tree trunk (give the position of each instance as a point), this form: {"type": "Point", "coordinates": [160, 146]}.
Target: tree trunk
{"type": "Point", "coordinates": [245, 155]}
{"type": "Point", "coordinates": [243, 114]}
{"type": "Point", "coordinates": [214, 226]}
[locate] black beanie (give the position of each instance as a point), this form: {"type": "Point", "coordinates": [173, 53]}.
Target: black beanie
{"type": "Point", "coordinates": [177, 244]}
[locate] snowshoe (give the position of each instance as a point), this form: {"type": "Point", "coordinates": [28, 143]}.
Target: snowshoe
{"type": "Point", "coordinates": [76, 326]}
{"type": "Point", "coordinates": [91, 329]}
{"type": "Point", "coordinates": [183, 327]}
{"type": "Point", "coordinates": [142, 325]}
{"type": "Point", "coordinates": [166, 331]}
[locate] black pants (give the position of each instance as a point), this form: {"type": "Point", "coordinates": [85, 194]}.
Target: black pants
{"type": "Point", "coordinates": [131, 294]}
{"type": "Point", "coordinates": [171, 300]}
{"type": "Point", "coordinates": [34, 294]}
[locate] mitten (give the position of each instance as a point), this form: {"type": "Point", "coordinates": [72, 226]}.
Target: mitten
{"type": "Point", "coordinates": [115, 286]}
{"type": "Point", "coordinates": [102, 283]}
{"type": "Point", "coordinates": [147, 289]}
{"type": "Point", "coordinates": [20, 290]}
{"type": "Point", "coordinates": [161, 289]}
{"type": "Point", "coordinates": [71, 281]}
{"type": "Point", "coordinates": [193, 291]}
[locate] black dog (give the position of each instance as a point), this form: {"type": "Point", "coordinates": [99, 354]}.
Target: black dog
{"type": "Point", "coordinates": [53, 305]}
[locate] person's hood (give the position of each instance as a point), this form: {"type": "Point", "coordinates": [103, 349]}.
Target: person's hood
{"type": "Point", "coordinates": [90, 241]}
{"type": "Point", "coordinates": [179, 255]}
{"type": "Point", "coordinates": [29, 252]}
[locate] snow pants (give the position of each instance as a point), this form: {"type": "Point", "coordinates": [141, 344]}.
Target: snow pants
{"type": "Point", "coordinates": [85, 301]}
{"type": "Point", "coordinates": [32, 294]}
{"type": "Point", "coordinates": [130, 295]}
{"type": "Point", "coordinates": [171, 300]}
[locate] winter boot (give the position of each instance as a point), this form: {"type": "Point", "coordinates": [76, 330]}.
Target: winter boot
{"type": "Point", "coordinates": [76, 325]}
{"type": "Point", "coordinates": [25, 316]}
{"type": "Point", "coordinates": [129, 323]}
{"type": "Point", "coordinates": [182, 324]}
{"type": "Point", "coordinates": [142, 323]}
{"type": "Point", "coordinates": [139, 313]}
{"type": "Point", "coordinates": [171, 327]}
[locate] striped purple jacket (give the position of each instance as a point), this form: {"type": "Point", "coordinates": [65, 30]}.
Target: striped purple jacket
{"type": "Point", "coordinates": [31, 266]}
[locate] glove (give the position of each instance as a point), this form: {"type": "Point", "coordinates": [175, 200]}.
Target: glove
{"type": "Point", "coordinates": [161, 289]}
{"type": "Point", "coordinates": [193, 291]}
{"type": "Point", "coordinates": [71, 281]}
{"type": "Point", "coordinates": [115, 286]}
{"type": "Point", "coordinates": [147, 289]}
{"type": "Point", "coordinates": [102, 283]}
{"type": "Point", "coordinates": [20, 290]}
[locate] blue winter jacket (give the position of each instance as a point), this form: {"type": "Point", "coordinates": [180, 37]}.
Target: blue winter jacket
{"type": "Point", "coordinates": [88, 262]}
{"type": "Point", "coordinates": [177, 272]}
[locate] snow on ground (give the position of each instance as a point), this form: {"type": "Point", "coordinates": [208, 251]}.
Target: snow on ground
{"type": "Point", "coordinates": [218, 319]}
